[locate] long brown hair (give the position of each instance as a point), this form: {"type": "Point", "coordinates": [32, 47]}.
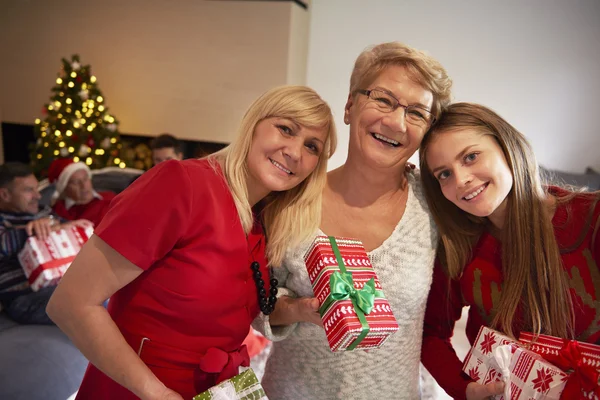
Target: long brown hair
{"type": "Point", "coordinates": [534, 278]}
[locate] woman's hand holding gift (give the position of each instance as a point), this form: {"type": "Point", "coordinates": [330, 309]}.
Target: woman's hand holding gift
{"type": "Point", "coordinates": [289, 310]}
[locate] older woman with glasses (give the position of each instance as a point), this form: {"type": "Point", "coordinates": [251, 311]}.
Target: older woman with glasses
{"type": "Point", "coordinates": [396, 93]}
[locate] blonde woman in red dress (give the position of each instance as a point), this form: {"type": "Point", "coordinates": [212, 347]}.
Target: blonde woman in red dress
{"type": "Point", "coordinates": [182, 254]}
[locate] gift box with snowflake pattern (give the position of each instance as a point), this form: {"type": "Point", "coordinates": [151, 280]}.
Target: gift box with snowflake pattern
{"type": "Point", "coordinates": [495, 357]}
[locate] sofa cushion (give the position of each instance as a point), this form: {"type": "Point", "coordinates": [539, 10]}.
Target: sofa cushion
{"type": "Point", "coordinates": [5, 322]}
{"type": "Point", "coordinates": [38, 362]}
{"type": "Point", "coordinates": [589, 180]}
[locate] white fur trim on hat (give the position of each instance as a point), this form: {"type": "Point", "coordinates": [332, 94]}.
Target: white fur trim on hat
{"type": "Point", "coordinates": [65, 175]}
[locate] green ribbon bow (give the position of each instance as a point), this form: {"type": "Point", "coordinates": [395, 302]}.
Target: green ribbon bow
{"type": "Point", "coordinates": [342, 288]}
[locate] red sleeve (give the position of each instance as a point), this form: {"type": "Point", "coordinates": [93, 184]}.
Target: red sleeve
{"type": "Point", "coordinates": [107, 195]}
{"type": "Point", "coordinates": [146, 220]}
{"type": "Point", "coordinates": [596, 231]}
{"type": "Point", "coordinates": [444, 307]}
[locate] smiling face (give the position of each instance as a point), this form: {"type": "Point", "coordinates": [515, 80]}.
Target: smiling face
{"type": "Point", "coordinates": [21, 195]}
{"type": "Point", "coordinates": [79, 188]}
{"type": "Point", "coordinates": [385, 139]}
{"type": "Point", "coordinates": [283, 154]}
{"type": "Point", "coordinates": [472, 172]}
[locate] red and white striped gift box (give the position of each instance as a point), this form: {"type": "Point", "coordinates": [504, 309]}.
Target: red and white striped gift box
{"type": "Point", "coordinates": [45, 262]}
{"type": "Point", "coordinates": [545, 345]}
{"type": "Point", "coordinates": [549, 347]}
{"type": "Point", "coordinates": [341, 323]}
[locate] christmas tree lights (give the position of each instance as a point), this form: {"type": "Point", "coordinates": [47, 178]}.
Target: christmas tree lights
{"type": "Point", "coordinates": [77, 123]}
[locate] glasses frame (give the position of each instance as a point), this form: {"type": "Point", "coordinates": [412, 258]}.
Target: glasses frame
{"type": "Point", "coordinates": [367, 92]}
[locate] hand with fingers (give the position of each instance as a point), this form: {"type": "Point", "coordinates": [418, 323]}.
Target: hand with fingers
{"type": "Point", "coordinates": [41, 227]}
{"type": "Point", "coordinates": [289, 310]}
{"type": "Point", "coordinates": [476, 391]}
{"type": "Point", "coordinates": [169, 394]}
{"type": "Point", "coordinates": [82, 223]}
{"type": "Point", "coordinates": [164, 394]}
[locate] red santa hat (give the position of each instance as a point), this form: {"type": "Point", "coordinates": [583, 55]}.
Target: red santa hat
{"type": "Point", "coordinates": [62, 169]}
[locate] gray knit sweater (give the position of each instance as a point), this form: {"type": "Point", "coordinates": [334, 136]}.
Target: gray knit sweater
{"type": "Point", "coordinates": [302, 366]}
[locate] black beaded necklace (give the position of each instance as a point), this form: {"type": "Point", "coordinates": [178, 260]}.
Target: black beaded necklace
{"type": "Point", "coordinates": [266, 303]}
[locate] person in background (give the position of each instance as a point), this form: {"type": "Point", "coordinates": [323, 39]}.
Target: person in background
{"type": "Point", "coordinates": [75, 196]}
{"type": "Point", "coordinates": [166, 147]}
{"type": "Point", "coordinates": [522, 255]}
{"type": "Point", "coordinates": [396, 93]}
{"type": "Point", "coordinates": [20, 217]}
{"type": "Point", "coordinates": [183, 252]}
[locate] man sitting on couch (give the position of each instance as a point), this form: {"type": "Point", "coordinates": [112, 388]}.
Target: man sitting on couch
{"type": "Point", "coordinates": [76, 198]}
{"type": "Point", "coordinates": [21, 217]}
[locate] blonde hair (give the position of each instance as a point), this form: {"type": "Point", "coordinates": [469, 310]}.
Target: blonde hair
{"type": "Point", "coordinates": [291, 216]}
{"type": "Point", "coordinates": [426, 70]}
{"type": "Point", "coordinates": [534, 276]}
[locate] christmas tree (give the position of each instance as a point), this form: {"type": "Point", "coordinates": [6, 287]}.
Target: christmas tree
{"type": "Point", "coordinates": [77, 123]}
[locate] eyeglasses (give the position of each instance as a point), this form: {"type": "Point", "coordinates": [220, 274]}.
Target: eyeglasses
{"type": "Point", "coordinates": [415, 115]}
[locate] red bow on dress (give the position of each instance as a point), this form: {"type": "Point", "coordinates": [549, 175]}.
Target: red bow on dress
{"type": "Point", "coordinates": [224, 363]}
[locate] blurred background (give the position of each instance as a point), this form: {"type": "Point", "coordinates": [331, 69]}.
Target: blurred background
{"type": "Point", "coordinates": [191, 67]}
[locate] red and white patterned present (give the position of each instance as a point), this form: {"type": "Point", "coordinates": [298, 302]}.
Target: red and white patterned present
{"type": "Point", "coordinates": [45, 262]}
{"type": "Point", "coordinates": [580, 359]}
{"type": "Point", "coordinates": [337, 265]}
{"type": "Point", "coordinates": [495, 357]}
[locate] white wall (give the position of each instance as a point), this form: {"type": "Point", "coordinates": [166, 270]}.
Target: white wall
{"type": "Point", "coordinates": [536, 62]}
{"type": "Point", "coordinates": [189, 67]}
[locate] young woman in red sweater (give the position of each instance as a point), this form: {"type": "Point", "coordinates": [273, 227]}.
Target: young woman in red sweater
{"type": "Point", "coordinates": [522, 255]}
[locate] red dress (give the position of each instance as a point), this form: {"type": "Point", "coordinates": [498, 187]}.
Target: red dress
{"type": "Point", "coordinates": [196, 298]}
{"type": "Point", "coordinates": [93, 211]}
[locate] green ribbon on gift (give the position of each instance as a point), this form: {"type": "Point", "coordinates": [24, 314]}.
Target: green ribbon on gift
{"type": "Point", "coordinates": [245, 385]}
{"type": "Point", "coordinates": [342, 288]}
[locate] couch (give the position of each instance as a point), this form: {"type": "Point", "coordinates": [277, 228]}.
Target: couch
{"type": "Point", "coordinates": [589, 180]}
{"type": "Point", "coordinates": [40, 362]}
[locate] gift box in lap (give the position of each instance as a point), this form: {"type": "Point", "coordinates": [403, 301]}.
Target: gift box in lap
{"type": "Point", "coordinates": [496, 357]}
{"type": "Point", "coordinates": [45, 262]}
{"type": "Point", "coordinates": [354, 311]}
{"type": "Point", "coordinates": [244, 386]}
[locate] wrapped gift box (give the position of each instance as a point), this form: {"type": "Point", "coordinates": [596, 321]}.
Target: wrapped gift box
{"type": "Point", "coordinates": [479, 363]}
{"type": "Point", "coordinates": [577, 358]}
{"type": "Point", "coordinates": [545, 345]}
{"type": "Point", "coordinates": [530, 375]}
{"type": "Point", "coordinates": [354, 311]}
{"type": "Point", "coordinates": [244, 386]}
{"type": "Point", "coordinates": [45, 262]}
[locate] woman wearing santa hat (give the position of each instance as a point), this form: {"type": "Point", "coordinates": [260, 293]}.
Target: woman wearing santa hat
{"type": "Point", "coordinates": [75, 197]}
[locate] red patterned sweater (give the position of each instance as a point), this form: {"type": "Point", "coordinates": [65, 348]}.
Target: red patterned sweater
{"type": "Point", "coordinates": [481, 284]}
